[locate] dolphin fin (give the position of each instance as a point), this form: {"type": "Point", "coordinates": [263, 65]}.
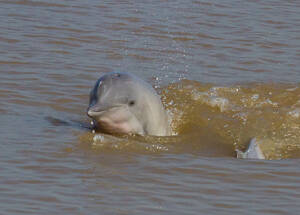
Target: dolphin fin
{"type": "Point", "coordinates": [253, 151]}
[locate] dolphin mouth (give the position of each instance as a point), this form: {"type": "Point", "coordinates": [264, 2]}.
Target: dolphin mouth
{"type": "Point", "coordinates": [96, 110]}
{"type": "Point", "coordinates": [92, 113]}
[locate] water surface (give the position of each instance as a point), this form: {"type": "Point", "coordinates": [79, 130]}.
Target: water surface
{"type": "Point", "coordinates": [226, 71]}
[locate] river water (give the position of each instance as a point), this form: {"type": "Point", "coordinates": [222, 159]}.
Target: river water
{"type": "Point", "coordinates": [226, 71]}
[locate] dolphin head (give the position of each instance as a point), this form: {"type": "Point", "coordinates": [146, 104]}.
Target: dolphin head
{"type": "Point", "coordinates": [117, 103]}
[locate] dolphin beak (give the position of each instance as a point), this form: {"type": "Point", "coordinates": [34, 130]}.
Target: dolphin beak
{"type": "Point", "coordinates": [94, 111]}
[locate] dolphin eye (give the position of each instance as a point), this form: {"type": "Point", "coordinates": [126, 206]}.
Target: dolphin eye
{"type": "Point", "coordinates": [131, 103]}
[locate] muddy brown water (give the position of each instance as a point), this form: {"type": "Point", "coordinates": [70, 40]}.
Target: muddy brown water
{"type": "Point", "coordinates": [226, 71]}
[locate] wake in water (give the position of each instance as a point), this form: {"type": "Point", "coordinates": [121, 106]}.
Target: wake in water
{"type": "Point", "coordinates": [217, 121]}
{"type": "Point", "coordinates": [269, 112]}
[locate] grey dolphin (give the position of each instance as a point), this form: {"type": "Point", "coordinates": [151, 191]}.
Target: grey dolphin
{"type": "Point", "coordinates": [123, 103]}
{"type": "Point", "coordinates": [253, 151]}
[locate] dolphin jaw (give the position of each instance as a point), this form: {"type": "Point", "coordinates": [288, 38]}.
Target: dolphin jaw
{"type": "Point", "coordinates": [116, 119]}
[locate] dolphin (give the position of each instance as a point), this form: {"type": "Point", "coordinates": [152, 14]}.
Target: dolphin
{"type": "Point", "coordinates": [121, 103]}
{"type": "Point", "coordinates": [252, 152]}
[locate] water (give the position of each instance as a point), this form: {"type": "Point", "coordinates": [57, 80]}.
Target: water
{"type": "Point", "coordinates": [226, 71]}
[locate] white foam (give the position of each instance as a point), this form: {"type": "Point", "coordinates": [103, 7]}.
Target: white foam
{"type": "Point", "coordinates": [254, 97]}
{"type": "Point", "coordinates": [198, 95]}
{"type": "Point", "coordinates": [211, 100]}
{"type": "Point", "coordinates": [219, 102]}
{"type": "Point", "coordinates": [98, 138]}
{"type": "Point", "coordinates": [295, 113]}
